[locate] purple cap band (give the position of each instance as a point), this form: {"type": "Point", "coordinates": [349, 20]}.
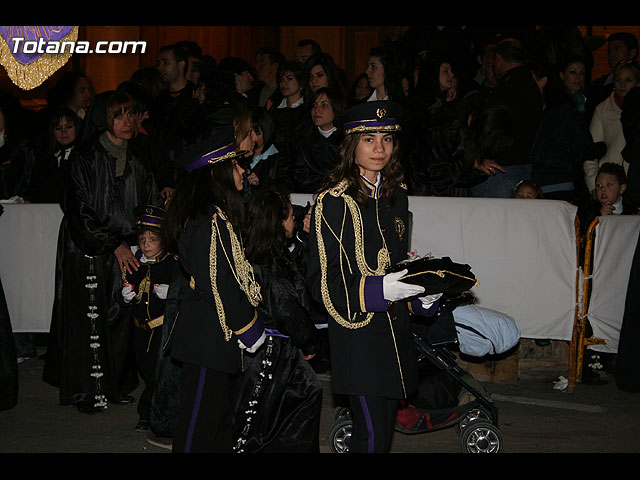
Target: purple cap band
{"type": "Point", "coordinates": [218, 155]}
{"type": "Point", "coordinates": [150, 219]}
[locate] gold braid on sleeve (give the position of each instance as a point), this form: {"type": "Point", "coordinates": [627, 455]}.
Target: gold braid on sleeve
{"type": "Point", "coordinates": [242, 271]}
{"type": "Point", "coordinates": [363, 267]}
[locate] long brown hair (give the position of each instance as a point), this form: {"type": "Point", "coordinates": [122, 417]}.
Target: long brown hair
{"type": "Point", "coordinates": [347, 168]}
{"type": "Point", "coordinates": [264, 235]}
{"type": "Point", "coordinates": [196, 192]}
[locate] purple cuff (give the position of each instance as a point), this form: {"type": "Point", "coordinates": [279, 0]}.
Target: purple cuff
{"type": "Point", "coordinates": [373, 295]}
{"type": "Point", "coordinates": [252, 333]}
{"type": "Point", "coordinates": [417, 308]}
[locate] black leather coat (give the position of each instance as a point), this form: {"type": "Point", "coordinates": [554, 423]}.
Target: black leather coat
{"type": "Point", "coordinates": [315, 157]}
{"type": "Point", "coordinates": [99, 217]}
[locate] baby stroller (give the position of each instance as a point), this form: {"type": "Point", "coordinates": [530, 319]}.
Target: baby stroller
{"type": "Point", "coordinates": [447, 396]}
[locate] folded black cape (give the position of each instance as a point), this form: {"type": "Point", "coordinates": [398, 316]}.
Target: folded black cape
{"type": "Point", "coordinates": [437, 275]}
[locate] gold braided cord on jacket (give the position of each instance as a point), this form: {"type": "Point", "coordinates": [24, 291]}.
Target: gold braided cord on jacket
{"type": "Point", "coordinates": [365, 270]}
{"type": "Point", "coordinates": [243, 271]}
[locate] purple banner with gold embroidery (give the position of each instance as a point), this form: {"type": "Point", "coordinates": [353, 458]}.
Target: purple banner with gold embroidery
{"type": "Point", "coordinates": [25, 52]}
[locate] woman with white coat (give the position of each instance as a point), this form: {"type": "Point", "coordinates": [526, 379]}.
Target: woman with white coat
{"type": "Point", "coordinates": [605, 124]}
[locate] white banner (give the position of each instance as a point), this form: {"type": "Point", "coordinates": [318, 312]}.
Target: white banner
{"type": "Point", "coordinates": [616, 237]}
{"type": "Point", "coordinates": [28, 240]}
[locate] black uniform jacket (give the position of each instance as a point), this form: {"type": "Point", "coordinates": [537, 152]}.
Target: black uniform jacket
{"type": "Point", "coordinates": [147, 307]}
{"type": "Point", "coordinates": [215, 311]}
{"type": "Point", "coordinates": [371, 345]}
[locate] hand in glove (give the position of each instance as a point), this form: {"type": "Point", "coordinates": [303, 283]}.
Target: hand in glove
{"type": "Point", "coordinates": [127, 292]}
{"type": "Point", "coordinates": [429, 300]}
{"type": "Point", "coordinates": [161, 289]}
{"type": "Point", "coordinates": [394, 290]}
{"type": "Point", "coordinates": [255, 346]}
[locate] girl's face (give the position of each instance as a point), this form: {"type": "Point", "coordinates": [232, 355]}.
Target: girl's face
{"type": "Point", "coordinates": [624, 82]}
{"type": "Point", "coordinates": [198, 93]}
{"type": "Point", "coordinates": [373, 153]}
{"type": "Point", "coordinates": [288, 223]}
{"type": "Point", "coordinates": [322, 113]}
{"type": "Point", "coordinates": [238, 171]}
{"type": "Point", "coordinates": [573, 77]}
{"type": "Point", "coordinates": [405, 86]}
{"type": "Point", "coordinates": [446, 77]}
{"type": "Point", "coordinates": [289, 85]}
{"type": "Point", "coordinates": [258, 140]}
{"type": "Point", "coordinates": [525, 191]}
{"type": "Point", "coordinates": [248, 144]}
{"type": "Point", "coordinates": [318, 78]}
{"type": "Point", "coordinates": [150, 244]}
{"type": "Point", "coordinates": [375, 73]}
{"type": "Point", "coordinates": [64, 132]}
{"type": "Point", "coordinates": [362, 88]}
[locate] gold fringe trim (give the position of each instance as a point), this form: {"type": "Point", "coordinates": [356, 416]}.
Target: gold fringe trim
{"type": "Point", "coordinates": [30, 76]}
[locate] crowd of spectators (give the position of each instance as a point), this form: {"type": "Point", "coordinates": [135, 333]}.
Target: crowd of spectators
{"type": "Point", "coordinates": [564, 124]}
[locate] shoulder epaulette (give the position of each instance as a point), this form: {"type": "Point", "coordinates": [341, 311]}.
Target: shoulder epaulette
{"type": "Point", "coordinates": [219, 213]}
{"type": "Point", "coordinates": [339, 188]}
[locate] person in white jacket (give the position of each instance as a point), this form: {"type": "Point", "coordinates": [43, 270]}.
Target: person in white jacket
{"type": "Point", "coordinates": [605, 124]}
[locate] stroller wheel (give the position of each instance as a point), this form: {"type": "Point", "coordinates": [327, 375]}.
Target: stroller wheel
{"type": "Point", "coordinates": [472, 415]}
{"type": "Point", "coordinates": [341, 412]}
{"type": "Point", "coordinates": [340, 436]}
{"type": "Point", "coordinates": [481, 437]}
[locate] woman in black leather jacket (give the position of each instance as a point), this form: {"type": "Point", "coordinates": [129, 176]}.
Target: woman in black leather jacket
{"type": "Point", "coordinates": [317, 152]}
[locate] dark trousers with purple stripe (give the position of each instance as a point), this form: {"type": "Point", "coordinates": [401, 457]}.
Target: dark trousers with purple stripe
{"type": "Point", "coordinates": [204, 423]}
{"type": "Point", "coordinates": [373, 420]}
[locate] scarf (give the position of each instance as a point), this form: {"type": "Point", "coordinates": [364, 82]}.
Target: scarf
{"type": "Point", "coordinates": [119, 152]}
{"type": "Point", "coordinates": [579, 99]}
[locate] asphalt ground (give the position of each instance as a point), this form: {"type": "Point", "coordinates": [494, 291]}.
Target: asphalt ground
{"type": "Point", "coordinates": [533, 417]}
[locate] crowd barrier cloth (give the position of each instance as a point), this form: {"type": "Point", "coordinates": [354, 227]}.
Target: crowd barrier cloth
{"type": "Point", "coordinates": [614, 241]}
{"type": "Point", "coordinates": [28, 241]}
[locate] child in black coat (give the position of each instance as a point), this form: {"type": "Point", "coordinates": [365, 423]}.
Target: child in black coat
{"type": "Point", "coordinates": [145, 291]}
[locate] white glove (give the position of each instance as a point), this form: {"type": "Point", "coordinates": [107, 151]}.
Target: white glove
{"type": "Point", "coordinates": [429, 300]}
{"type": "Point", "coordinates": [127, 292]}
{"type": "Point", "coordinates": [394, 290]}
{"type": "Point", "coordinates": [255, 346]}
{"type": "Point", "coordinates": [161, 289]}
